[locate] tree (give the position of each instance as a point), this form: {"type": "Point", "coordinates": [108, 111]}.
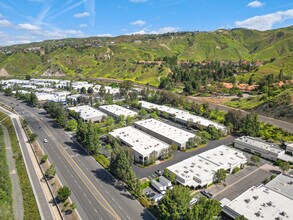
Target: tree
{"type": "Point", "coordinates": [33, 100]}
{"type": "Point", "coordinates": [90, 90]}
{"type": "Point", "coordinates": [234, 117]}
{"type": "Point", "coordinates": [83, 90]}
{"type": "Point", "coordinates": [44, 158]}
{"type": "Point", "coordinates": [220, 175]}
{"type": "Point", "coordinates": [32, 137]}
{"type": "Point", "coordinates": [215, 133]}
{"type": "Point", "coordinates": [51, 171]}
{"type": "Point", "coordinates": [284, 166]}
{"type": "Point", "coordinates": [24, 122]}
{"type": "Point", "coordinates": [71, 125]}
{"type": "Point", "coordinates": [250, 125]}
{"type": "Point", "coordinates": [143, 112]}
{"type": "Point", "coordinates": [255, 159]}
{"type": "Point", "coordinates": [154, 115]}
{"type": "Point", "coordinates": [63, 193]}
{"type": "Point", "coordinates": [175, 202]}
{"type": "Point", "coordinates": [204, 209]}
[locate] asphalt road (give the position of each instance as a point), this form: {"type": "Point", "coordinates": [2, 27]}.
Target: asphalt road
{"type": "Point", "coordinates": [93, 188]}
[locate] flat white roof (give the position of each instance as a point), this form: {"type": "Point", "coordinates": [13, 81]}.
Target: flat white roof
{"type": "Point", "coordinates": [43, 96]}
{"type": "Point", "coordinates": [223, 156]}
{"type": "Point", "coordinates": [87, 112]}
{"type": "Point", "coordinates": [282, 184]}
{"type": "Point", "coordinates": [176, 134]}
{"type": "Point", "coordinates": [262, 203]}
{"type": "Point", "coordinates": [141, 142]}
{"type": "Point", "coordinates": [256, 142]}
{"type": "Point", "coordinates": [118, 110]}
{"type": "Point", "coordinates": [182, 115]}
{"type": "Point", "coordinates": [203, 166]}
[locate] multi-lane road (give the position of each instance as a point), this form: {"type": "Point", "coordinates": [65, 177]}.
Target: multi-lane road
{"type": "Point", "coordinates": [94, 190]}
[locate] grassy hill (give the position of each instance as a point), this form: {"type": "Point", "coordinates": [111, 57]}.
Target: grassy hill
{"type": "Point", "coordinates": [117, 57]}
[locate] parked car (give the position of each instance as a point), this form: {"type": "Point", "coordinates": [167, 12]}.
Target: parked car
{"type": "Point", "coordinates": [45, 140]}
{"type": "Point", "coordinates": [192, 201]}
{"type": "Point", "coordinates": [206, 194]}
{"type": "Point", "coordinates": [159, 172]}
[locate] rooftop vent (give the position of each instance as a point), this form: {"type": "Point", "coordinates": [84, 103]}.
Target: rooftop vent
{"type": "Point", "coordinates": [255, 197]}
{"type": "Point", "coordinates": [247, 200]}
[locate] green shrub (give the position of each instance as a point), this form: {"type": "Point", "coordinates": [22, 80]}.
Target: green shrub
{"type": "Point", "coordinates": [101, 159]}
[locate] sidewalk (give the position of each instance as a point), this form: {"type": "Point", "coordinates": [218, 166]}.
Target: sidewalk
{"type": "Point", "coordinates": [54, 210]}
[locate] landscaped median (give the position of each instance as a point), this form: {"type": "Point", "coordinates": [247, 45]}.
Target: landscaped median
{"type": "Point", "coordinates": [31, 210]}
{"type": "Point", "coordinates": [6, 200]}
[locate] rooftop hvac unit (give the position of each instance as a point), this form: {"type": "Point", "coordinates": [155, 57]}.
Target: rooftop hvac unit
{"type": "Point", "coordinates": [255, 197]}
{"type": "Point", "coordinates": [247, 200]}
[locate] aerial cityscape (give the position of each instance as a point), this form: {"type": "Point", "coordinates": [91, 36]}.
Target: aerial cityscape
{"type": "Point", "coordinates": [146, 109]}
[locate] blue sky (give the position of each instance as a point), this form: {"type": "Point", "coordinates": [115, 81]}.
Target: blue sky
{"type": "Point", "coordinates": [23, 21]}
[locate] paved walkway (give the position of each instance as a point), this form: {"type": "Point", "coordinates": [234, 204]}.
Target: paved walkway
{"type": "Point", "coordinates": [16, 190]}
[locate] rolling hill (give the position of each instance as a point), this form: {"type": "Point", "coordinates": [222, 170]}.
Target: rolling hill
{"type": "Point", "coordinates": [119, 57]}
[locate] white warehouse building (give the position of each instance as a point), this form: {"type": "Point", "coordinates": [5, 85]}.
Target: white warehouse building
{"type": "Point", "coordinates": [199, 170]}
{"type": "Point", "coordinates": [116, 110]}
{"type": "Point", "coordinates": [88, 113]}
{"type": "Point", "coordinates": [183, 117]}
{"type": "Point", "coordinates": [258, 147]}
{"type": "Point", "coordinates": [165, 132]}
{"type": "Point", "coordinates": [260, 203]}
{"type": "Point", "coordinates": [143, 145]}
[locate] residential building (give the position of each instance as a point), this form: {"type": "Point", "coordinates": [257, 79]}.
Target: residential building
{"type": "Point", "coordinates": [88, 113]}
{"type": "Point", "coordinates": [115, 111]}
{"type": "Point", "coordinates": [165, 132]}
{"type": "Point", "coordinates": [199, 170]}
{"type": "Point", "coordinates": [144, 146]}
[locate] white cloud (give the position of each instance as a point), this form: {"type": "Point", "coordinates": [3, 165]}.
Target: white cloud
{"type": "Point", "coordinates": [138, 1]}
{"type": "Point", "coordinates": [83, 25]}
{"type": "Point", "coordinates": [1, 15]}
{"type": "Point", "coordinates": [168, 30]}
{"type": "Point", "coordinates": [28, 27]}
{"type": "Point", "coordinates": [265, 22]}
{"type": "Point", "coordinates": [138, 22]}
{"type": "Point", "coordinates": [5, 23]}
{"type": "Point", "coordinates": [81, 15]}
{"type": "Point", "coordinates": [104, 35]}
{"type": "Point", "coordinates": [162, 30]}
{"type": "Point", "coordinates": [255, 4]}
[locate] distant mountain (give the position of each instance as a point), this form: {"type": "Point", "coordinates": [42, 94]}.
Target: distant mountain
{"type": "Point", "coordinates": [132, 57]}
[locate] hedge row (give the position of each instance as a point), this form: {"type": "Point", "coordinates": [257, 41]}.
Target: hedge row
{"type": "Point", "coordinates": [31, 210]}
{"type": "Point", "coordinates": [6, 200]}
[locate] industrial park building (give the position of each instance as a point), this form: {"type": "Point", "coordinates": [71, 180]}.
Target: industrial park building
{"type": "Point", "coordinates": [143, 145]}
{"type": "Point", "coordinates": [183, 117]}
{"type": "Point", "coordinates": [88, 113]}
{"type": "Point", "coordinates": [165, 132]}
{"type": "Point", "coordinates": [115, 111]}
{"type": "Point", "coordinates": [258, 147]}
{"type": "Point", "coordinates": [272, 201]}
{"type": "Point", "coordinates": [199, 170]}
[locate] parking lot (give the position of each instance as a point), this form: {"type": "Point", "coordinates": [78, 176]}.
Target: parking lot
{"type": "Point", "coordinates": [178, 157]}
{"type": "Point", "coordinates": [238, 183]}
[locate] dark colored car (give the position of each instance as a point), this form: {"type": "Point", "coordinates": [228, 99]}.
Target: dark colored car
{"type": "Point", "coordinates": [206, 194]}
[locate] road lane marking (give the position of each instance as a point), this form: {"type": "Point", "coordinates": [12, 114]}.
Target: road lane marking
{"type": "Point", "coordinates": [61, 150]}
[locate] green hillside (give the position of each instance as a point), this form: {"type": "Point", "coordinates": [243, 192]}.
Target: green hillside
{"type": "Point", "coordinates": [118, 57]}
